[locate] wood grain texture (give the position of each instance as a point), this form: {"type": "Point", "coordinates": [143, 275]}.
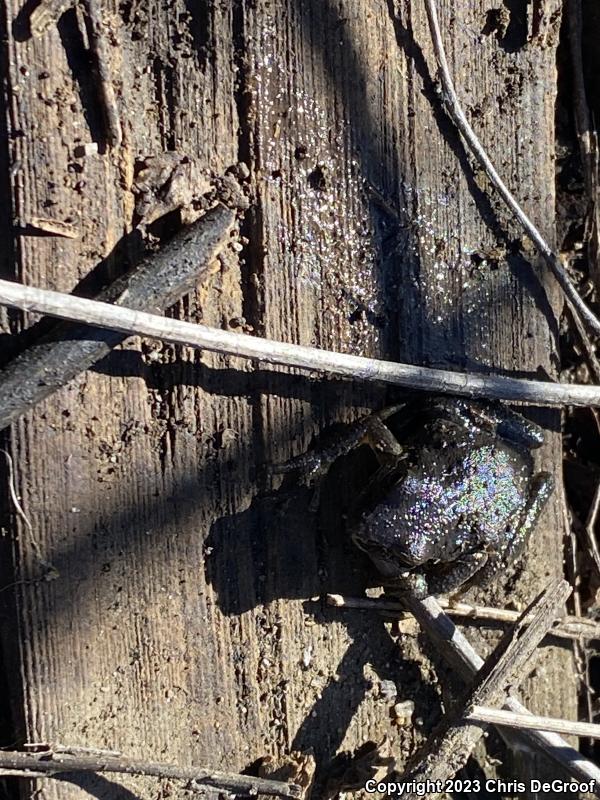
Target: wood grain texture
{"type": "Point", "coordinates": [181, 626]}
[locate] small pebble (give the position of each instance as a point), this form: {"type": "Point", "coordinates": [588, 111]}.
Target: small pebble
{"type": "Point", "coordinates": [387, 690]}
{"type": "Point", "coordinates": [87, 149]}
{"type": "Point", "coordinates": [403, 712]}
{"type": "Point", "coordinates": [307, 656]}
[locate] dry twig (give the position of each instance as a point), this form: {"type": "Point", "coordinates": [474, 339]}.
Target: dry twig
{"type": "Point", "coordinates": [449, 747]}
{"type": "Point", "coordinates": [50, 764]}
{"type": "Point", "coordinates": [568, 627]}
{"type": "Point", "coordinates": [131, 322]}
{"type": "Point", "coordinates": [509, 719]}
{"type": "Point", "coordinates": [454, 109]}
{"type": "Point", "coordinates": [590, 530]}
{"type": "Point", "coordinates": [47, 14]}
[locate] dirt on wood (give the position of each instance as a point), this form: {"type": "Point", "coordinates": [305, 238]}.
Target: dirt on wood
{"type": "Point", "coordinates": [184, 622]}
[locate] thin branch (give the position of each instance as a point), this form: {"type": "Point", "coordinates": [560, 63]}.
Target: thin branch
{"type": "Point", "coordinates": [587, 136]}
{"type": "Point", "coordinates": [131, 322]}
{"type": "Point", "coordinates": [568, 627]}
{"type": "Point", "coordinates": [590, 530]}
{"type": "Point", "coordinates": [509, 719]}
{"type": "Point", "coordinates": [460, 654]}
{"type": "Point", "coordinates": [160, 280]}
{"type": "Point", "coordinates": [457, 115]}
{"type": "Point", "coordinates": [451, 744]}
{"type": "Point", "coordinates": [23, 773]}
{"type": "Point", "coordinates": [99, 47]}
{"type": "Point", "coordinates": [50, 764]}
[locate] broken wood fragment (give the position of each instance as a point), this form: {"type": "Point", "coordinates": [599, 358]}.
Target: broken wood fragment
{"type": "Point", "coordinates": [460, 654]}
{"type": "Point", "coordinates": [451, 744]}
{"type": "Point", "coordinates": [156, 283]}
{"type": "Point", "coordinates": [53, 227]}
{"type": "Point", "coordinates": [99, 47]}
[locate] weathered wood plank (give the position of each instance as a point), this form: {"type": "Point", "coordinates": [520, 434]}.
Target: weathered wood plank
{"type": "Point", "coordinates": [178, 626]}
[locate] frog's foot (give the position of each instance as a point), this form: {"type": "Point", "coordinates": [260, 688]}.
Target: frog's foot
{"type": "Point", "coordinates": [460, 572]}
{"type": "Point", "coordinates": [420, 582]}
{"type": "Point", "coordinates": [382, 441]}
{"type": "Point", "coordinates": [510, 425]}
{"type": "Point", "coordinates": [371, 430]}
{"type": "Point", "coordinates": [413, 583]}
{"type": "Point", "coordinates": [491, 415]}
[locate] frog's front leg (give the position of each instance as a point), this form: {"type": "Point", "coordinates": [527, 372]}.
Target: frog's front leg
{"type": "Point", "coordinates": [370, 430]}
{"type": "Point", "coordinates": [516, 539]}
{"type": "Point", "coordinates": [511, 426]}
{"type": "Point", "coordinates": [491, 415]}
{"type": "Point", "coordinates": [421, 583]}
{"type": "Point", "coordinates": [460, 572]}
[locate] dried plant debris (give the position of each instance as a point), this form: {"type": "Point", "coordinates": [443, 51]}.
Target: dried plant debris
{"type": "Point", "coordinates": [371, 761]}
{"type": "Point", "coordinates": [53, 227]}
{"type": "Point", "coordinates": [175, 181]}
{"type": "Point", "coordinates": [297, 768]}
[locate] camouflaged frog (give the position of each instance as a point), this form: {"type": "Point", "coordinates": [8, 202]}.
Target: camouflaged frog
{"type": "Point", "coordinates": [455, 496]}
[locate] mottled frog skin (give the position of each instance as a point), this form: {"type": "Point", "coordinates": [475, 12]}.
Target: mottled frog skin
{"type": "Point", "coordinates": [459, 501]}
{"type": "Point", "coordinates": [456, 495]}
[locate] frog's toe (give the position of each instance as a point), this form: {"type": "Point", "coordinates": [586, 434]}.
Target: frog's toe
{"type": "Point", "coordinates": [310, 466]}
{"type": "Point", "coordinates": [414, 583]}
{"type": "Point", "coordinates": [467, 569]}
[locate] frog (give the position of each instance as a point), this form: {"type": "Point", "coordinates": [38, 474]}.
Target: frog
{"type": "Point", "coordinates": [455, 496]}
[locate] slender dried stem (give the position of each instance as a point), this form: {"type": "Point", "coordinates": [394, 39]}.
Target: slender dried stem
{"type": "Point", "coordinates": [569, 627]}
{"type": "Point", "coordinates": [358, 368]}
{"type": "Point", "coordinates": [590, 530]}
{"type": "Point", "coordinates": [50, 764]}
{"type": "Point", "coordinates": [457, 115]}
{"type": "Point", "coordinates": [509, 719]}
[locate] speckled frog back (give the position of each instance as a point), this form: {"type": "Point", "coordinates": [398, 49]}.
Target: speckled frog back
{"type": "Point", "coordinates": [456, 484]}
